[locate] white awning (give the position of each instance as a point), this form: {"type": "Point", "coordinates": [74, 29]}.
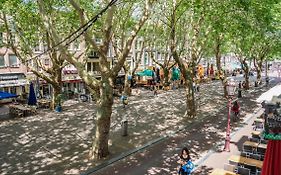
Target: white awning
{"type": "Point", "coordinates": [267, 96]}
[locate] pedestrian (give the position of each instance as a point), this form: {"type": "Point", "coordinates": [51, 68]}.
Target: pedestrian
{"type": "Point", "coordinates": [124, 100]}
{"type": "Point", "coordinates": [155, 91]}
{"type": "Point", "coordinates": [186, 165]}
{"type": "Point", "coordinates": [235, 109]}
{"type": "Point", "coordinates": [240, 85]}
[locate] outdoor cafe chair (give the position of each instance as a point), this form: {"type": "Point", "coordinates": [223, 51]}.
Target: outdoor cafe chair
{"type": "Point", "coordinates": [254, 139]}
{"type": "Point", "coordinates": [255, 156]}
{"type": "Point", "coordinates": [243, 171]}
{"type": "Point", "coordinates": [261, 151]}
{"type": "Point", "coordinates": [253, 169]}
{"type": "Point", "coordinates": [248, 149]}
{"type": "Point", "coordinates": [228, 167]}
{"type": "Point", "coordinates": [243, 154]}
{"type": "Point", "coordinates": [263, 141]}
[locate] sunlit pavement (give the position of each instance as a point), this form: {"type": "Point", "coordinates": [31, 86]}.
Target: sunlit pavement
{"type": "Point", "coordinates": [58, 143]}
{"type": "Point", "coordinates": [202, 137]}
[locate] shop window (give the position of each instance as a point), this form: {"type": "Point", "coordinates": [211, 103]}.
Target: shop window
{"type": "Point", "coordinates": [23, 89]}
{"type": "Point", "coordinates": [14, 90]}
{"type": "Point", "coordinates": [13, 61]}
{"type": "Point", "coordinates": [2, 61]}
{"type": "Point", "coordinates": [6, 89]}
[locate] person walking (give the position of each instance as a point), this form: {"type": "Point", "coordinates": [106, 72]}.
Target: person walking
{"type": "Point", "coordinates": [235, 109]}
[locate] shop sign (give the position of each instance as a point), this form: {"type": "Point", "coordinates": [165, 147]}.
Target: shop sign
{"type": "Point", "coordinates": [13, 83]}
{"type": "Point", "coordinates": [70, 71]}
{"type": "Point", "coordinates": [6, 78]}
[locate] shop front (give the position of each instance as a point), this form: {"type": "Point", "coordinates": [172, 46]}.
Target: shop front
{"type": "Point", "coordinates": [14, 83]}
{"type": "Point", "coordinates": [72, 84]}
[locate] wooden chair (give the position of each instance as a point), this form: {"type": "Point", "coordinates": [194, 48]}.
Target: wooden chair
{"type": "Point", "coordinates": [255, 156]}
{"type": "Point", "coordinates": [253, 169]}
{"type": "Point", "coordinates": [243, 171]}
{"type": "Point", "coordinates": [248, 149]}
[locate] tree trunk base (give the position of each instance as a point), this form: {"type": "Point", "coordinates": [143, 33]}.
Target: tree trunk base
{"type": "Point", "coordinates": [98, 154]}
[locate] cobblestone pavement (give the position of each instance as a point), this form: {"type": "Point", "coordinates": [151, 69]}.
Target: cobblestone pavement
{"type": "Point", "coordinates": [200, 137]}
{"type": "Point", "coordinates": [58, 143]}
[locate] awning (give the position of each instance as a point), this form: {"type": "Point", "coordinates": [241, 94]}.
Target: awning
{"type": "Point", "coordinates": [267, 96]}
{"type": "Point", "coordinates": [5, 95]}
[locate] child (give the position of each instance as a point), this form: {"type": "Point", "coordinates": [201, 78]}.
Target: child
{"type": "Point", "coordinates": [124, 100]}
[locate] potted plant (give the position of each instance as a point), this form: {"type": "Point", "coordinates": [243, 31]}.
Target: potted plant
{"type": "Point", "coordinates": [58, 102]}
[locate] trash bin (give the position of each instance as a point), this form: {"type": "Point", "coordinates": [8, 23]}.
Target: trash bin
{"type": "Point", "coordinates": [239, 93]}
{"type": "Point", "coordinates": [58, 109]}
{"type": "Point", "coordinates": [124, 128]}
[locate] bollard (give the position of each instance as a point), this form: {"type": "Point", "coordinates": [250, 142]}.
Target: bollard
{"type": "Point", "coordinates": [267, 80]}
{"type": "Point", "coordinates": [239, 93]}
{"type": "Point", "coordinates": [256, 84]}
{"type": "Point", "coordinates": [124, 128]}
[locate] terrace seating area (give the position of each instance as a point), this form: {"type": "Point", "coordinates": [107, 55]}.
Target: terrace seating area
{"type": "Point", "coordinates": [250, 159]}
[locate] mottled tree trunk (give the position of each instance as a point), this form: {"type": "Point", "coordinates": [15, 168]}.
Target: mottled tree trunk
{"type": "Point", "coordinates": [219, 69]}
{"type": "Point", "coordinates": [104, 109]}
{"type": "Point", "coordinates": [166, 77]}
{"type": "Point", "coordinates": [127, 88]}
{"type": "Point", "coordinates": [259, 79]}
{"type": "Point", "coordinates": [246, 74]}
{"type": "Point", "coordinates": [56, 92]}
{"type": "Point", "coordinates": [189, 92]}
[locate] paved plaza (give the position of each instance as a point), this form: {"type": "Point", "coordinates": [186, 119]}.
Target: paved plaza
{"type": "Point", "coordinates": [58, 143]}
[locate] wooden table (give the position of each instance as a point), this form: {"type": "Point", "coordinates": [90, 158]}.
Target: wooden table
{"type": "Point", "coordinates": [244, 160]}
{"type": "Point", "coordinates": [20, 111]}
{"type": "Point", "coordinates": [253, 162]}
{"type": "Point", "coordinates": [222, 172]}
{"type": "Point", "coordinates": [258, 120]}
{"type": "Point", "coordinates": [44, 103]}
{"type": "Point", "coordinates": [237, 158]}
{"type": "Point", "coordinates": [262, 145]}
{"type": "Point", "coordinates": [256, 133]}
{"type": "Point", "coordinates": [252, 144]}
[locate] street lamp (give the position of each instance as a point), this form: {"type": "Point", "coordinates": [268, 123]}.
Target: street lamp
{"type": "Point", "coordinates": [230, 87]}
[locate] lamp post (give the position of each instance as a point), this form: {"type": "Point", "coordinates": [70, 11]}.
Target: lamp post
{"type": "Point", "coordinates": [230, 87]}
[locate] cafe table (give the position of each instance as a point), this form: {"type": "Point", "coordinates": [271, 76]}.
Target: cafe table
{"type": "Point", "coordinates": [244, 160]}
{"type": "Point", "coordinates": [222, 172]}
{"type": "Point", "coordinates": [262, 145]}
{"type": "Point", "coordinates": [256, 133]}
{"type": "Point", "coordinates": [252, 144]}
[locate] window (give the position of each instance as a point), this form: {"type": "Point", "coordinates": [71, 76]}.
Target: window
{"type": "Point", "coordinates": [13, 61]}
{"type": "Point", "coordinates": [13, 38]}
{"type": "Point", "coordinates": [13, 90]}
{"type": "Point", "coordinates": [45, 47]}
{"type": "Point", "coordinates": [76, 45]}
{"type": "Point", "coordinates": [96, 66]}
{"type": "Point", "coordinates": [2, 61]}
{"type": "Point", "coordinates": [37, 47]}
{"type": "Point", "coordinates": [46, 62]}
{"type": "Point", "coordinates": [89, 65]}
